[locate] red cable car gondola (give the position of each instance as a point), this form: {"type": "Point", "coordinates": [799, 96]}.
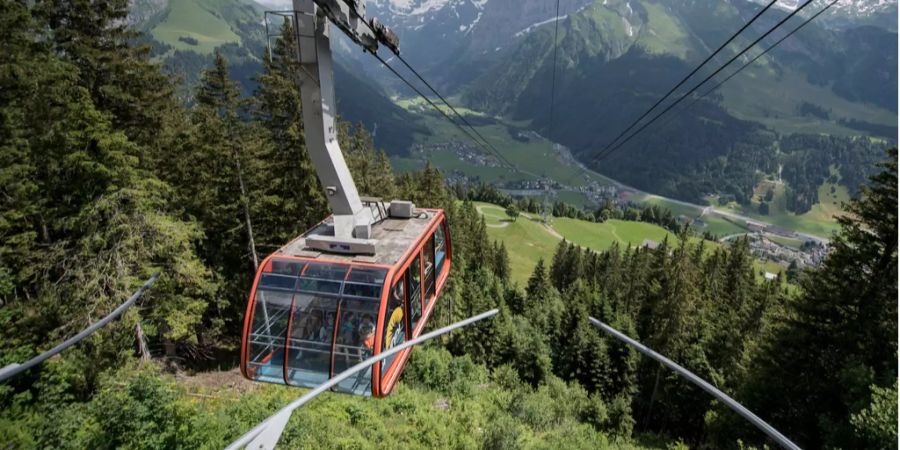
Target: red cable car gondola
{"type": "Point", "coordinates": [363, 280]}
{"type": "Point", "coordinates": [313, 314]}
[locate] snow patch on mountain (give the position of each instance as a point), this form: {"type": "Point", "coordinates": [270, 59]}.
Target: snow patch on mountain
{"type": "Point", "coordinates": [859, 8]}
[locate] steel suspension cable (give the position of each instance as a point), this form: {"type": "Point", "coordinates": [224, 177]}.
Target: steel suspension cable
{"type": "Point", "coordinates": [711, 76]}
{"type": "Point", "coordinates": [553, 75]}
{"type": "Point", "coordinates": [696, 69]}
{"type": "Point", "coordinates": [749, 63]}
{"type": "Point", "coordinates": [441, 111]}
{"type": "Point", "coordinates": [703, 384]}
{"type": "Point", "coordinates": [493, 150]}
{"type": "Point", "coordinates": [266, 434]}
{"type": "Point", "coordinates": [807, 21]}
{"type": "Point", "coordinates": [455, 112]}
{"type": "Point", "coordinates": [16, 369]}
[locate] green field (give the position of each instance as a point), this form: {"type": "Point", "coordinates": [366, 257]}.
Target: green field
{"type": "Point", "coordinates": [600, 236]}
{"type": "Point", "coordinates": [819, 221]}
{"type": "Point", "coordinates": [677, 209]}
{"type": "Point", "coordinates": [533, 158]}
{"type": "Point", "coordinates": [198, 20]}
{"type": "Point", "coordinates": [574, 198]}
{"type": "Point", "coordinates": [719, 226]}
{"type": "Point", "coordinates": [527, 240]}
{"type": "Point", "coordinates": [754, 97]}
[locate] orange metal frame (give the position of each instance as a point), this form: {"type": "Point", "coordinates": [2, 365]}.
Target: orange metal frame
{"type": "Point", "coordinates": [379, 389]}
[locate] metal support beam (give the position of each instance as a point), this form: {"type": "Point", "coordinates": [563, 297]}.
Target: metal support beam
{"type": "Point", "coordinates": [316, 83]}
{"type": "Point", "coordinates": [730, 402]}
{"type": "Point", "coordinates": [15, 369]}
{"type": "Point", "coordinates": [266, 434]}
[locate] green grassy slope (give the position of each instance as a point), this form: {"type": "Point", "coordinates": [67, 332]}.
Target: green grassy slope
{"type": "Point", "coordinates": [527, 240]}
{"type": "Point", "coordinates": [205, 21]}
{"type": "Point", "coordinates": [819, 221]}
{"type": "Point", "coordinates": [533, 158]}
{"type": "Point", "coordinates": [600, 236]}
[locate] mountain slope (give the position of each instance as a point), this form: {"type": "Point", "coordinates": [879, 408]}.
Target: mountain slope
{"type": "Point", "coordinates": [185, 33]}
{"type": "Point", "coordinates": [616, 58]}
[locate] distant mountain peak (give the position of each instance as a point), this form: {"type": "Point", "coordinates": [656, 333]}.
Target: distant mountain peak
{"type": "Point", "coordinates": [859, 9]}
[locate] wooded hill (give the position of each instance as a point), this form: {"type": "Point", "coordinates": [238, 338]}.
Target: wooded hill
{"type": "Point", "coordinates": [105, 178]}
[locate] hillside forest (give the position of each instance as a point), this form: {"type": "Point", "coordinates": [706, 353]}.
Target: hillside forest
{"type": "Point", "coordinates": [106, 177]}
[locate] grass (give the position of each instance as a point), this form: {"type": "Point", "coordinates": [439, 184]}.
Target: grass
{"type": "Point", "coordinates": [574, 198]}
{"type": "Point", "coordinates": [526, 240]}
{"type": "Point", "coordinates": [677, 209]}
{"type": "Point", "coordinates": [720, 226]}
{"type": "Point", "coordinates": [600, 236]}
{"type": "Point", "coordinates": [194, 20]}
{"type": "Point", "coordinates": [785, 241]}
{"type": "Point", "coordinates": [819, 221]}
{"type": "Point", "coordinates": [665, 35]}
{"type": "Point", "coordinates": [533, 159]}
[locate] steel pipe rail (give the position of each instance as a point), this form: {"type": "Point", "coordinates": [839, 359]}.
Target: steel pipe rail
{"type": "Point", "coordinates": [15, 369]}
{"type": "Point", "coordinates": [266, 434]}
{"type": "Point", "coordinates": [730, 402]}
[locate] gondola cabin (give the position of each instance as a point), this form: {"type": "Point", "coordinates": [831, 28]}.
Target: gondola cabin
{"type": "Point", "coordinates": [313, 314]}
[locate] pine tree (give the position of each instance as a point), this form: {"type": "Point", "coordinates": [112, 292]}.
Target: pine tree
{"type": "Point", "coordinates": [840, 337]}
{"type": "Point", "coordinates": [292, 198]}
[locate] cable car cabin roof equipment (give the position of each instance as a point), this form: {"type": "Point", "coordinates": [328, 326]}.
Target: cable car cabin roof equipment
{"type": "Point", "coordinates": [367, 277]}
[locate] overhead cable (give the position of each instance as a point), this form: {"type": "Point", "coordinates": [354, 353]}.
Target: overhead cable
{"type": "Point", "coordinates": [441, 111]}
{"type": "Point", "coordinates": [492, 150]}
{"type": "Point", "coordinates": [603, 155]}
{"type": "Point", "coordinates": [684, 80]}
{"type": "Point", "coordinates": [553, 75]}
{"type": "Point", "coordinates": [749, 63]}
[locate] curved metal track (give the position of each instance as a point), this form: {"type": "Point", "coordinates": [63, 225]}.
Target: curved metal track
{"type": "Point", "coordinates": [266, 434]}
{"type": "Point", "coordinates": [15, 369]}
{"type": "Point", "coordinates": [730, 402]}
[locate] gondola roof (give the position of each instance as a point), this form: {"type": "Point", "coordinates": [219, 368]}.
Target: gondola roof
{"type": "Point", "coordinates": [393, 239]}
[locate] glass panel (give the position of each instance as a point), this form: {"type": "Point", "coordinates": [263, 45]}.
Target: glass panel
{"type": "Point", "coordinates": [323, 278]}
{"type": "Point", "coordinates": [267, 335]}
{"type": "Point", "coordinates": [414, 277]}
{"type": "Point", "coordinates": [285, 267]}
{"type": "Point", "coordinates": [355, 342]}
{"type": "Point", "coordinates": [365, 282]}
{"type": "Point", "coordinates": [428, 261]}
{"type": "Point", "coordinates": [440, 247]}
{"type": "Point", "coordinates": [394, 323]}
{"type": "Point", "coordinates": [312, 331]}
{"type": "Point", "coordinates": [272, 281]}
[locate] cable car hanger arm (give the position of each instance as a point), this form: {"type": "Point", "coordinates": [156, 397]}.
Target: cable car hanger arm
{"type": "Point", "coordinates": [352, 219]}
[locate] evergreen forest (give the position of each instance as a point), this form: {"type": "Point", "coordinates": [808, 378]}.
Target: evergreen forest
{"type": "Point", "coordinates": [108, 176]}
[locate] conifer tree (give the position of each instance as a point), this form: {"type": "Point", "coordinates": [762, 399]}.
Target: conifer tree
{"type": "Point", "coordinates": [292, 198]}
{"type": "Point", "coordinates": [839, 339]}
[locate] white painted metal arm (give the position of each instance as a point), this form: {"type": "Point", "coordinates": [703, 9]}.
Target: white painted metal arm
{"type": "Point", "coordinates": [266, 434]}
{"type": "Point", "coordinates": [352, 221]}
{"type": "Point", "coordinates": [730, 402]}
